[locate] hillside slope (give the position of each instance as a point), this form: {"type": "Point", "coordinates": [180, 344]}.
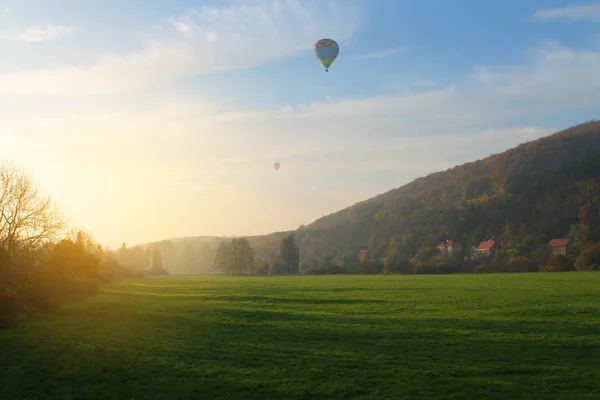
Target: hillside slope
{"type": "Point", "coordinates": [528, 194]}
{"type": "Point", "coordinates": [522, 197]}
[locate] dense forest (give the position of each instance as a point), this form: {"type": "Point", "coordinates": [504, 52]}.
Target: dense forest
{"type": "Point", "coordinates": [522, 198]}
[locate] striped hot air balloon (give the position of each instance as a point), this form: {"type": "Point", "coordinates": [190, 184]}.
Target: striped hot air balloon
{"type": "Point", "coordinates": [326, 50]}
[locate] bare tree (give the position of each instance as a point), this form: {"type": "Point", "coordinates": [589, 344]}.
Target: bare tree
{"type": "Point", "coordinates": [27, 219]}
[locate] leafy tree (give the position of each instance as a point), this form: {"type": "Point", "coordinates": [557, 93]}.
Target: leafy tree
{"type": "Point", "coordinates": [235, 257]}
{"type": "Point", "coordinates": [589, 259]}
{"type": "Point", "coordinates": [224, 258]}
{"type": "Point", "coordinates": [262, 267]}
{"type": "Point", "coordinates": [541, 254]}
{"type": "Point", "coordinates": [426, 253]}
{"type": "Point", "coordinates": [73, 260]}
{"type": "Point", "coordinates": [499, 263]}
{"type": "Point", "coordinates": [589, 222]}
{"type": "Point", "coordinates": [135, 258]}
{"type": "Point", "coordinates": [157, 267]}
{"type": "Point", "coordinates": [289, 255]}
{"type": "Point", "coordinates": [157, 260]}
{"type": "Point", "coordinates": [188, 259]}
{"type": "Point", "coordinates": [243, 256]}
{"type": "Point", "coordinates": [327, 266]}
{"type": "Point", "coordinates": [111, 270]}
{"type": "Point", "coordinates": [394, 263]}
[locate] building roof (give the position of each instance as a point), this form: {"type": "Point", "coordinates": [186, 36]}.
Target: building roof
{"type": "Point", "coordinates": [448, 243]}
{"type": "Point", "coordinates": [486, 245]}
{"type": "Point", "coordinates": [559, 242]}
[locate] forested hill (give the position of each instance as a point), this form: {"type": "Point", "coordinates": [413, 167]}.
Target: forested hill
{"type": "Point", "coordinates": [528, 194]}
{"type": "Point", "coordinates": [545, 189]}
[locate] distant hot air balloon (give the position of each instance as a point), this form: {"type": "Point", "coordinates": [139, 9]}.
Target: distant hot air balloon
{"type": "Point", "coordinates": [326, 50]}
{"type": "Point", "coordinates": [276, 166]}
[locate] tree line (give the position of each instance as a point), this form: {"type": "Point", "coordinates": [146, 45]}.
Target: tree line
{"type": "Point", "coordinates": [238, 257]}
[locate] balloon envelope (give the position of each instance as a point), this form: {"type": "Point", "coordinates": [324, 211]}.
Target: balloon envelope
{"type": "Point", "coordinates": [326, 50]}
{"type": "Point", "coordinates": [276, 166]}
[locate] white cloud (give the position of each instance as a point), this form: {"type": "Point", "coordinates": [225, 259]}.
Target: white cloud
{"type": "Point", "coordinates": [380, 53]}
{"type": "Point", "coordinates": [39, 33]}
{"type": "Point", "coordinates": [181, 26]}
{"type": "Point", "coordinates": [201, 41]}
{"type": "Point", "coordinates": [586, 12]}
{"type": "Point", "coordinates": [333, 153]}
{"type": "Point", "coordinates": [557, 79]}
{"type": "Point", "coordinates": [7, 10]}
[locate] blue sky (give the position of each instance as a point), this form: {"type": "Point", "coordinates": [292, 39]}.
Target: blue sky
{"type": "Point", "coordinates": [167, 116]}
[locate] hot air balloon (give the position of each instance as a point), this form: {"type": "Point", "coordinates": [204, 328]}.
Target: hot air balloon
{"type": "Point", "coordinates": [276, 166]}
{"type": "Point", "coordinates": [326, 50]}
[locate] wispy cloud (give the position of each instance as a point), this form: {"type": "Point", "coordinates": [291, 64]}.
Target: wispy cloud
{"type": "Point", "coordinates": [204, 159]}
{"type": "Point", "coordinates": [380, 53]}
{"type": "Point", "coordinates": [203, 40]}
{"type": "Point", "coordinates": [39, 33]}
{"type": "Point", "coordinates": [586, 12]}
{"type": "Point", "coordinates": [7, 10]}
{"type": "Point", "coordinates": [559, 78]}
{"type": "Point", "coordinates": [181, 25]}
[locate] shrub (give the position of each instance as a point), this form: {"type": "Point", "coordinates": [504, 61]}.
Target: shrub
{"type": "Point", "coordinates": [8, 309]}
{"type": "Point", "coordinates": [519, 264]}
{"type": "Point", "coordinates": [433, 267]}
{"type": "Point", "coordinates": [481, 269]}
{"type": "Point", "coordinates": [557, 263]}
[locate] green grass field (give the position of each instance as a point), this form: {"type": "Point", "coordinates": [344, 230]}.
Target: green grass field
{"type": "Point", "coordinates": [522, 336]}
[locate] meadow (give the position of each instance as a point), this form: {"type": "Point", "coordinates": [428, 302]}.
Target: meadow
{"type": "Point", "coordinates": [506, 336]}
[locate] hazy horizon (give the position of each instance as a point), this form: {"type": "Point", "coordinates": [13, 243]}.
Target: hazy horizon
{"type": "Point", "coordinates": [164, 121]}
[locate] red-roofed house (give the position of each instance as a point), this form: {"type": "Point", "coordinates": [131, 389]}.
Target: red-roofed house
{"type": "Point", "coordinates": [559, 246]}
{"type": "Point", "coordinates": [449, 248]}
{"type": "Point", "coordinates": [487, 248]}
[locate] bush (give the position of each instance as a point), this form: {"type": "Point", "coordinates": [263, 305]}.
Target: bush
{"type": "Point", "coordinates": [498, 263]}
{"type": "Point", "coordinates": [277, 268]}
{"type": "Point", "coordinates": [468, 266]}
{"type": "Point", "coordinates": [557, 263]}
{"type": "Point", "coordinates": [396, 265]}
{"type": "Point", "coordinates": [8, 309]}
{"type": "Point", "coordinates": [369, 267]}
{"type": "Point", "coordinates": [262, 268]}
{"type": "Point", "coordinates": [433, 268]}
{"type": "Point", "coordinates": [481, 269]}
{"type": "Point", "coordinates": [519, 264]}
{"type": "Point", "coordinates": [327, 266]}
{"type": "Point", "coordinates": [157, 271]}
